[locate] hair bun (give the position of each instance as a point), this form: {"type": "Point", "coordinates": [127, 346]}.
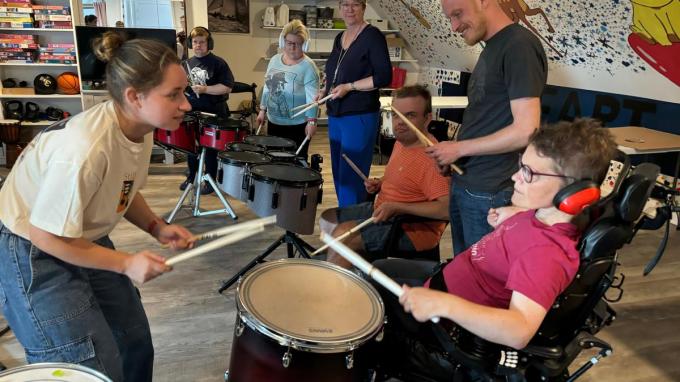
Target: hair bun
{"type": "Point", "coordinates": [106, 46]}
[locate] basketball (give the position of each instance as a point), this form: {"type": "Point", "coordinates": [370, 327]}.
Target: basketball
{"type": "Point", "coordinates": [68, 83]}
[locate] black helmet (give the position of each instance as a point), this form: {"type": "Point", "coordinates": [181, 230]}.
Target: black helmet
{"type": "Point", "coordinates": [45, 84]}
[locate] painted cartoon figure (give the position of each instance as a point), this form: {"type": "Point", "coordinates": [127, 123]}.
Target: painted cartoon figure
{"type": "Point", "coordinates": [277, 104]}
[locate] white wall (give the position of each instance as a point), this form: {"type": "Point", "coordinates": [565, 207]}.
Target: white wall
{"type": "Point", "coordinates": [244, 52]}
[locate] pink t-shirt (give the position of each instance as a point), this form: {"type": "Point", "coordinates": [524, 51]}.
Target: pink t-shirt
{"type": "Point", "coordinates": [523, 255]}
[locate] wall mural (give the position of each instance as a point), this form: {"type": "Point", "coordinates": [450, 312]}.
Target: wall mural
{"type": "Point", "coordinates": [626, 47]}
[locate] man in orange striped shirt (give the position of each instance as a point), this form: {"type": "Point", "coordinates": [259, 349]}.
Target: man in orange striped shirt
{"type": "Point", "coordinates": [411, 185]}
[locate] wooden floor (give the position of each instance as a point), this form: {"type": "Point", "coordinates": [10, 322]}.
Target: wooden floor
{"type": "Point", "coordinates": [192, 324]}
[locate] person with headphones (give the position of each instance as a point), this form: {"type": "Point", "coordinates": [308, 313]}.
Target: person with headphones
{"type": "Point", "coordinates": [291, 80]}
{"type": "Point", "coordinates": [501, 288]}
{"type": "Point", "coordinates": [211, 82]}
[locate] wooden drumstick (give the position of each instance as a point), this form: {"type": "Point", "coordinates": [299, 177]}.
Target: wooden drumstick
{"type": "Point", "coordinates": [191, 82]}
{"type": "Point", "coordinates": [422, 137]}
{"type": "Point", "coordinates": [354, 167]}
{"type": "Point", "coordinates": [311, 105]}
{"type": "Point", "coordinates": [203, 113]}
{"type": "Point", "coordinates": [221, 242]}
{"type": "Point", "coordinates": [366, 267]}
{"type": "Point", "coordinates": [255, 223]}
{"type": "Point", "coordinates": [304, 142]}
{"type": "Point", "coordinates": [259, 127]}
{"type": "Point", "coordinates": [346, 234]}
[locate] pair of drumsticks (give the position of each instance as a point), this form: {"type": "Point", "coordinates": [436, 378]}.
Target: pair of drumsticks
{"type": "Point", "coordinates": [225, 235]}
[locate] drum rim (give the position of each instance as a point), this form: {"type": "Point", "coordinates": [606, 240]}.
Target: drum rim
{"type": "Point", "coordinates": [262, 148]}
{"type": "Point", "coordinates": [209, 123]}
{"type": "Point", "coordinates": [270, 180]}
{"type": "Point", "coordinates": [9, 122]}
{"type": "Point", "coordinates": [317, 346]}
{"type": "Point", "coordinates": [58, 365]}
{"type": "Point", "coordinates": [292, 154]}
{"type": "Point", "coordinates": [222, 157]}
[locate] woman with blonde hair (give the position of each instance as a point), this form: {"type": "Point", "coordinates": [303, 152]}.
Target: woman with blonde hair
{"type": "Point", "coordinates": [66, 292]}
{"type": "Point", "coordinates": [291, 80]}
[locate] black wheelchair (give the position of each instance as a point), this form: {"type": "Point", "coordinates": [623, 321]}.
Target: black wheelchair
{"type": "Point", "coordinates": [577, 315]}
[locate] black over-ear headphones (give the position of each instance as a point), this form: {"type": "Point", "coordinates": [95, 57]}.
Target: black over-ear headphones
{"type": "Point", "coordinates": [573, 198]}
{"type": "Point", "coordinates": [211, 43]}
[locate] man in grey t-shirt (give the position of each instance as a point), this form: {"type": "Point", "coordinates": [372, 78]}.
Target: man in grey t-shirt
{"type": "Point", "coordinates": [504, 109]}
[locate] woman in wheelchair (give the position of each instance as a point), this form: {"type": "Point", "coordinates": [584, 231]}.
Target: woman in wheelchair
{"type": "Point", "coordinates": [501, 288]}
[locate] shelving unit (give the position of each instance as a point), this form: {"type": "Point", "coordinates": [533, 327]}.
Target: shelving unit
{"type": "Point", "coordinates": [28, 71]}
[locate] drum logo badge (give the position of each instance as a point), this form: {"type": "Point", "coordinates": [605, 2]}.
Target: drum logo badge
{"type": "Point", "coordinates": [320, 330]}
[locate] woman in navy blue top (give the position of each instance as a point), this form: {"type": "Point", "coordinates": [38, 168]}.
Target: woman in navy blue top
{"type": "Point", "coordinates": [358, 66]}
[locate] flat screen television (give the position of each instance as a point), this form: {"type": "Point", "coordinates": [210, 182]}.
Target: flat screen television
{"type": "Point", "coordinates": [91, 68]}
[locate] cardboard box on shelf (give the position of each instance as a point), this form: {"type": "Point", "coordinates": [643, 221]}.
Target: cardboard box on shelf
{"type": "Point", "coordinates": [395, 46]}
{"type": "Point", "coordinates": [20, 91]}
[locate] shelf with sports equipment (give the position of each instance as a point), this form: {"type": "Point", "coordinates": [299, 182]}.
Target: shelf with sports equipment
{"type": "Point", "coordinates": [39, 74]}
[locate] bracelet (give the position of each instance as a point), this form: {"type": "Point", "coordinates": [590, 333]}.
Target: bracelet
{"type": "Point", "coordinates": [311, 121]}
{"type": "Point", "coordinates": [352, 86]}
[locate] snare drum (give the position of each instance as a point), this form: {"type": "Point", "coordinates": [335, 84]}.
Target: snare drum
{"type": "Point", "coordinates": [290, 192]}
{"type": "Point", "coordinates": [182, 139]}
{"type": "Point", "coordinates": [217, 132]}
{"type": "Point", "coordinates": [9, 130]}
{"type": "Point", "coordinates": [303, 320]}
{"type": "Point", "coordinates": [55, 372]}
{"type": "Point", "coordinates": [240, 146]}
{"type": "Point", "coordinates": [234, 167]}
{"type": "Point", "coordinates": [271, 143]}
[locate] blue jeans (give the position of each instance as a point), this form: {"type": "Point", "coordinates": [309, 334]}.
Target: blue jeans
{"type": "Point", "coordinates": [354, 136]}
{"type": "Point", "coordinates": [64, 313]}
{"type": "Point", "coordinates": [468, 211]}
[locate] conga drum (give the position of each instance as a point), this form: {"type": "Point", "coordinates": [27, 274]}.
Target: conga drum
{"type": "Point", "coordinates": [303, 320]}
{"type": "Point", "coordinates": [9, 130]}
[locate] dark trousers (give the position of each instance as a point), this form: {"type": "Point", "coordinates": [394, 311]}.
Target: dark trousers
{"type": "Point", "coordinates": [294, 132]}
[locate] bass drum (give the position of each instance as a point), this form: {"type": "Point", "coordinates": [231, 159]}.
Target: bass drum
{"type": "Point", "coordinates": [235, 166]}
{"type": "Point", "coordinates": [289, 192]}
{"type": "Point", "coordinates": [53, 372]}
{"type": "Point", "coordinates": [303, 320]}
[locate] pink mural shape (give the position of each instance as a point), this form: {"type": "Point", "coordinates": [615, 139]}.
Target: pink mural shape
{"type": "Point", "coordinates": [655, 35]}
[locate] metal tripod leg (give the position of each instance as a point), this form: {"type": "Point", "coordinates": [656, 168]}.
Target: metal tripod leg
{"type": "Point", "coordinates": [251, 264]}
{"type": "Point", "coordinates": [195, 203]}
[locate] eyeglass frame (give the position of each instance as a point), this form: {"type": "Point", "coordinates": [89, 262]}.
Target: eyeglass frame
{"type": "Point", "coordinates": [528, 173]}
{"type": "Point", "coordinates": [293, 45]}
{"type": "Point", "coordinates": [355, 5]}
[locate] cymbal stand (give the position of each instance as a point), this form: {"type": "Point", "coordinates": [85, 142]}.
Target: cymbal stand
{"type": "Point", "coordinates": [195, 199]}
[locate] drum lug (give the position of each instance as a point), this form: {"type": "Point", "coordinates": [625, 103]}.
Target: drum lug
{"type": "Point", "coordinates": [220, 175]}
{"type": "Point", "coordinates": [318, 200]}
{"type": "Point", "coordinates": [251, 192]}
{"type": "Point", "coordinates": [285, 360]}
{"type": "Point", "coordinates": [275, 200]}
{"type": "Point", "coordinates": [303, 201]}
{"type": "Point", "coordinates": [380, 335]}
{"type": "Point", "coordinates": [239, 328]}
{"type": "Point", "coordinates": [349, 360]}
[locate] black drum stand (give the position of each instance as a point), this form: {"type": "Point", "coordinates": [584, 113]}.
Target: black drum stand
{"type": "Point", "coordinates": [3, 331]}
{"type": "Point", "coordinates": [195, 199]}
{"type": "Point", "coordinates": [292, 241]}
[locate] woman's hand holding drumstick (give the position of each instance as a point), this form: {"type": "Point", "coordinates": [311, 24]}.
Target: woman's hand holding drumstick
{"type": "Point", "coordinates": [215, 244]}
{"type": "Point", "coordinates": [232, 228]}
{"type": "Point", "coordinates": [310, 105]}
{"type": "Point", "coordinates": [366, 267]}
{"type": "Point", "coordinates": [422, 137]}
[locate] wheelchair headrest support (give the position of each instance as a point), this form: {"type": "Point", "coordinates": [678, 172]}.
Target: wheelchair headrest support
{"type": "Point", "coordinates": [635, 191]}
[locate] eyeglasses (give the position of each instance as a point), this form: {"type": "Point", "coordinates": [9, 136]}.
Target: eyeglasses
{"type": "Point", "coordinates": [528, 173]}
{"type": "Point", "coordinates": [350, 5]}
{"type": "Point", "coordinates": [291, 44]}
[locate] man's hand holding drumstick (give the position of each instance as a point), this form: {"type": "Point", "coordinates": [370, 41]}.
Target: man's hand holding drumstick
{"type": "Point", "coordinates": [426, 141]}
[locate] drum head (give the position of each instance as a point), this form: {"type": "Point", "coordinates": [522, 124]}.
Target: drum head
{"type": "Point", "coordinates": [270, 141]}
{"type": "Point", "coordinates": [243, 157]}
{"type": "Point", "coordinates": [311, 302]}
{"type": "Point", "coordinates": [238, 146]}
{"type": "Point", "coordinates": [286, 174]}
{"type": "Point", "coordinates": [224, 123]}
{"type": "Point", "coordinates": [53, 372]}
{"type": "Point", "coordinates": [281, 154]}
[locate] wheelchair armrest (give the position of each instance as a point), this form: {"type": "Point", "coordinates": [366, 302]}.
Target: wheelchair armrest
{"type": "Point", "coordinates": [547, 352]}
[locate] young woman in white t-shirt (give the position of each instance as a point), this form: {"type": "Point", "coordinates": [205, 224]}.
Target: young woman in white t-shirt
{"type": "Point", "coordinates": [65, 291]}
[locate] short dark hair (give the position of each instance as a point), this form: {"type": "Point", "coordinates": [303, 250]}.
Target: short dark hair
{"type": "Point", "coordinates": [90, 18]}
{"type": "Point", "coordinates": [415, 91]}
{"type": "Point", "coordinates": [580, 149]}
